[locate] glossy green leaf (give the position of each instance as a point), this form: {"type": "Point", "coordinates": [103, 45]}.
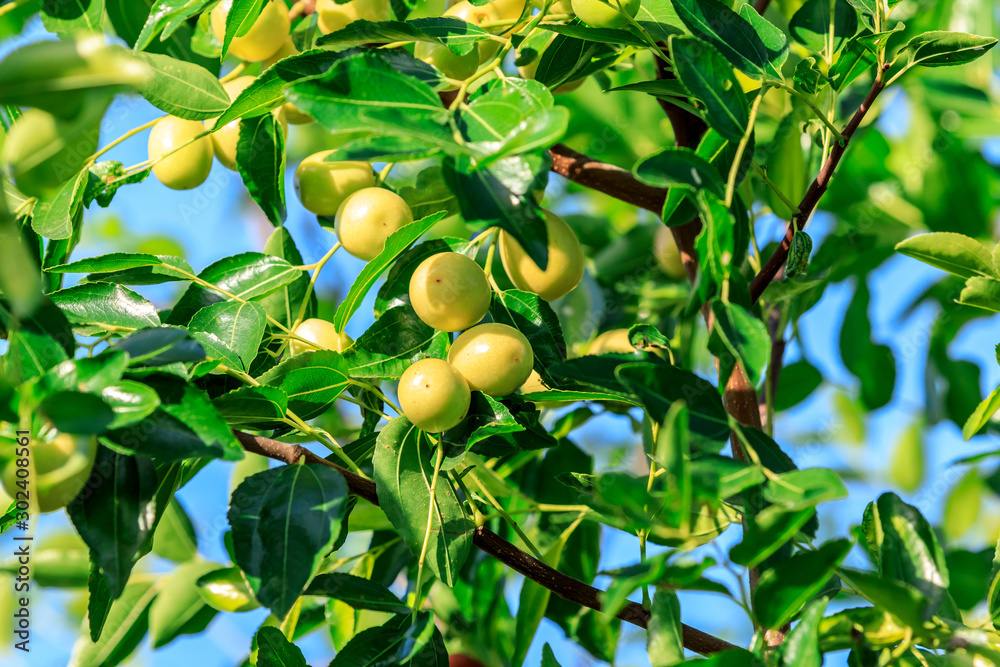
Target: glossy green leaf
{"type": "Point", "coordinates": [801, 489]}
{"type": "Point", "coordinates": [955, 253]}
{"type": "Point", "coordinates": [403, 474]}
{"type": "Point", "coordinates": [76, 412]}
{"type": "Point", "coordinates": [175, 538]}
{"type": "Point", "coordinates": [53, 217]}
{"type": "Point", "coordinates": [802, 646]}
{"type": "Point", "coordinates": [110, 263]}
{"type": "Point", "coordinates": [871, 363]}
{"type": "Point", "coordinates": [679, 167]}
{"type": "Point", "coordinates": [812, 25]}
{"type": "Point", "coordinates": [252, 405]}
{"type": "Point", "coordinates": [709, 77]}
{"type": "Point", "coordinates": [38, 342]}
{"type": "Point", "coordinates": [982, 414]}
{"type": "Point", "coordinates": [456, 34]}
{"type": "Point", "coordinates": [239, 325]}
{"type": "Point", "coordinates": [397, 242]}
{"type": "Point", "coordinates": [783, 591]}
{"type": "Point", "coordinates": [739, 337]}
{"type": "Point", "coordinates": [284, 304]}
{"type": "Point", "coordinates": [766, 532]}
{"type": "Point", "coordinates": [981, 293]}
{"type": "Point", "coordinates": [240, 18]}
{"type": "Point", "coordinates": [260, 157]}
{"type": "Point", "coordinates": [182, 89]}
{"type": "Point", "coordinates": [396, 339]}
{"type": "Point", "coordinates": [105, 307]}
{"type": "Point", "coordinates": [393, 644]}
{"type": "Point", "coordinates": [733, 35]}
{"type": "Point", "coordinates": [940, 48]}
{"type": "Point", "coordinates": [226, 589]}
{"type": "Point", "coordinates": [167, 269]}
{"type": "Point", "coordinates": [658, 386]}
{"type": "Point", "coordinates": [664, 638]}
{"type": "Point", "coordinates": [312, 381]}
{"type": "Point", "coordinates": [284, 522]}
{"type": "Point", "coordinates": [129, 616]}
{"type": "Point", "coordinates": [178, 609]}
{"type": "Point", "coordinates": [273, 650]}
{"type": "Point", "coordinates": [358, 592]}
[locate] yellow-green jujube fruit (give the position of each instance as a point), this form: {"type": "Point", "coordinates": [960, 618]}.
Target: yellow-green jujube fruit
{"type": "Point", "coordinates": [433, 395]}
{"type": "Point", "coordinates": [322, 186]}
{"type": "Point", "coordinates": [469, 13]}
{"type": "Point", "coordinates": [60, 469]}
{"type": "Point", "coordinates": [615, 340]}
{"type": "Point", "coordinates": [188, 167]}
{"type": "Point", "coordinates": [43, 151]}
{"type": "Point", "coordinates": [227, 137]}
{"type": "Point", "coordinates": [447, 61]}
{"type": "Point", "coordinates": [367, 218]}
{"type": "Point", "coordinates": [495, 359]}
{"type": "Point", "coordinates": [321, 334]}
{"type": "Point", "coordinates": [264, 38]}
{"type": "Point", "coordinates": [449, 292]}
{"type": "Point", "coordinates": [563, 271]}
{"type": "Point", "coordinates": [667, 254]}
{"type": "Point", "coordinates": [605, 13]}
{"type": "Point", "coordinates": [333, 17]}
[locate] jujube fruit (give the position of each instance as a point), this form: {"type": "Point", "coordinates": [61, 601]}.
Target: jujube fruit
{"type": "Point", "coordinates": [322, 335]}
{"type": "Point", "coordinates": [433, 395]}
{"type": "Point", "coordinates": [563, 271]}
{"type": "Point", "coordinates": [43, 151]}
{"type": "Point", "coordinates": [367, 218]}
{"type": "Point", "coordinates": [263, 39]}
{"type": "Point", "coordinates": [495, 359]}
{"type": "Point", "coordinates": [188, 167]}
{"type": "Point", "coordinates": [333, 17]}
{"type": "Point", "coordinates": [615, 340]}
{"type": "Point", "coordinates": [447, 61]}
{"type": "Point", "coordinates": [61, 467]}
{"type": "Point", "coordinates": [322, 186]}
{"type": "Point", "coordinates": [470, 13]}
{"type": "Point", "coordinates": [667, 254]}
{"type": "Point", "coordinates": [605, 13]}
{"type": "Point", "coordinates": [449, 292]}
{"type": "Point", "coordinates": [226, 139]}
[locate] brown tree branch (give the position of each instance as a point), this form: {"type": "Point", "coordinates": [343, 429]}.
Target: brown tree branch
{"type": "Point", "coordinates": [816, 190]}
{"type": "Point", "coordinates": [761, 6]}
{"type": "Point", "coordinates": [561, 584]}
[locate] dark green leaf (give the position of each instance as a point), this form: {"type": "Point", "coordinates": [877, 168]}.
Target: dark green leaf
{"type": "Point", "coordinates": [240, 325]}
{"type": "Point", "coordinates": [811, 25]}
{"type": "Point", "coordinates": [459, 36]}
{"type": "Point", "coordinates": [709, 77]}
{"type": "Point", "coordinates": [252, 405]}
{"type": "Point", "coordinates": [273, 650]}
{"type": "Point", "coordinates": [533, 317]}
{"type": "Point", "coordinates": [129, 617]}
{"type": "Point", "coordinates": [739, 337]}
{"type": "Point", "coordinates": [784, 591]}
{"type": "Point", "coordinates": [871, 363]}
{"type": "Point", "coordinates": [105, 307]}
{"type": "Point", "coordinates": [260, 157]}
{"type": "Point", "coordinates": [160, 346]}
{"type": "Point", "coordinates": [396, 340]}
{"type": "Point", "coordinates": [312, 381]}
{"type": "Point", "coordinates": [358, 592]}
{"type": "Point", "coordinates": [741, 42]}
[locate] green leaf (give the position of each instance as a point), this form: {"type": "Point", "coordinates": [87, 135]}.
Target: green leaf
{"type": "Point", "coordinates": [166, 16]}
{"type": "Point", "coordinates": [260, 157]}
{"type": "Point", "coordinates": [962, 506]}
{"type": "Point", "coordinates": [812, 24]}
{"type": "Point", "coordinates": [533, 600]}
{"type": "Point", "coordinates": [240, 325]}
{"type": "Point", "coordinates": [100, 307]}
{"type": "Point", "coordinates": [854, 60]}
{"type": "Point", "coordinates": [900, 599]}
{"type": "Point", "coordinates": [397, 242]}
{"type": "Point", "coordinates": [955, 253]}
{"type": "Point", "coordinates": [241, 17]}
{"type": "Point", "coordinates": [548, 657]}
{"type": "Point", "coordinates": [802, 646]}
{"type": "Point", "coordinates": [110, 263]}
{"type": "Point", "coordinates": [739, 337]}
{"type": "Point", "coordinates": [248, 276]}
{"type": "Point", "coordinates": [783, 591]}
{"type": "Point", "coordinates": [871, 363]}
{"type": "Point", "coordinates": [76, 412]}
{"type": "Point", "coordinates": [273, 650]}
{"type": "Point", "coordinates": [168, 269]}
{"type": "Point", "coordinates": [252, 405]}
{"type": "Point", "coordinates": [658, 386]}
{"type": "Point", "coordinates": [801, 489]}
{"type": "Point", "coordinates": [993, 594]}
{"type": "Point", "coordinates": [358, 592]}
{"type": "Point", "coordinates": [486, 418]}
{"type": "Point", "coordinates": [38, 342]}
{"type": "Point", "coordinates": [767, 531]}
{"type": "Point", "coordinates": [283, 305]}
{"type": "Point", "coordinates": [182, 89]}
{"type": "Point", "coordinates": [403, 473]}
{"type": "Point", "coordinates": [567, 396]}
{"type": "Point", "coordinates": [709, 77]}
{"type": "Point", "coordinates": [178, 609]}
{"type": "Point", "coordinates": [459, 36]}
{"type": "Point", "coordinates": [397, 642]}
{"type": "Point", "coordinates": [72, 16]}
{"type": "Point", "coordinates": [175, 538]}
{"type": "Point", "coordinates": [906, 468]}
{"type": "Point", "coordinates": [664, 637]}
{"type": "Point", "coordinates": [796, 383]}
{"type": "Point", "coordinates": [128, 18]}
{"type": "Point", "coordinates": [982, 414]}
{"type": "Point", "coordinates": [981, 293]}
{"type": "Point", "coordinates": [734, 36]}
{"type": "Point", "coordinates": [532, 316]}
{"type": "Point", "coordinates": [99, 602]}
{"type": "Point", "coordinates": [396, 340]}
{"type": "Point", "coordinates": [681, 168]}
{"type": "Point", "coordinates": [940, 48]}
{"type": "Point", "coordinates": [113, 518]}
{"type": "Point", "coordinates": [225, 589]}
{"type": "Point", "coordinates": [312, 381]}
{"type": "Point", "coordinates": [129, 616]}
{"type": "Point", "coordinates": [284, 521]}
{"type": "Point", "coordinates": [160, 346]}
{"type": "Point", "coordinates": [54, 216]}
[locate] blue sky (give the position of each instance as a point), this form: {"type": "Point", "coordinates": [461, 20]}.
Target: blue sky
{"type": "Point", "coordinates": [217, 220]}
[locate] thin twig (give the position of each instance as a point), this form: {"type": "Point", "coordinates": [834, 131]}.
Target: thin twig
{"type": "Point", "coordinates": [485, 539]}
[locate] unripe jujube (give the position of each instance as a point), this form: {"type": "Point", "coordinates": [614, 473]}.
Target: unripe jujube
{"type": "Point", "coordinates": [563, 271]}
{"type": "Point", "coordinates": [668, 255]}
{"type": "Point", "coordinates": [323, 186]}
{"type": "Point", "coordinates": [61, 468]}
{"type": "Point", "coordinates": [433, 395]}
{"type": "Point", "coordinates": [449, 292]}
{"type": "Point", "coordinates": [616, 340]}
{"type": "Point", "coordinates": [264, 38]}
{"type": "Point", "coordinates": [367, 218]}
{"type": "Point", "coordinates": [333, 17]}
{"type": "Point", "coordinates": [605, 13]}
{"type": "Point", "coordinates": [322, 335]}
{"type": "Point", "coordinates": [188, 167]}
{"type": "Point", "coordinates": [470, 13]}
{"type": "Point", "coordinates": [447, 61]}
{"type": "Point", "coordinates": [495, 359]}
{"type": "Point", "coordinates": [43, 151]}
{"type": "Point", "coordinates": [227, 137]}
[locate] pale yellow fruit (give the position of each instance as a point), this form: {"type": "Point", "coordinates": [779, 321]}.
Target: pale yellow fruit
{"type": "Point", "coordinates": [292, 113]}
{"type": "Point", "coordinates": [605, 13]}
{"type": "Point", "coordinates": [265, 37]}
{"type": "Point", "coordinates": [447, 61]}
{"type": "Point", "coordinates": [333, 17]}
{"type": "Point", "coordinates": [367, 218]}
{"type": "Point", "coordinates": [433, 395]}
{"type": "Point", "coordinates": [323, 186]}
{"type": "Point", "coordinates": [321, 334]}
{"type": "Point", "coordinates": [495, 359]}
{"type": "Point", "coordinates": [509, 10]}
{"type": "Point", "coordinates": [43, 151]}
{"type": "Point", "coordinates": [667, 254]}
{"type": "Point", "coordinates": [468, 12]}
{"type": "Point", "coordinates": [615, 340]}
{"type": "Point", "coordinates": [449, 292]}
{"type": "Point", "coordinates": [227, 137]}
{"type": "Point", "coordinates": [533, 384]}
{"type": "Point", "coordinates": [563, 271]}
{"type": "Point", "coordinates": [60, 466]}
{"type": "Point", "coordinates": [188, 167]}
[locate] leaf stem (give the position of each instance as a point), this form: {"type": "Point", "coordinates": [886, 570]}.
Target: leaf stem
{"type": "Point", "coordinates": [131, 133]}
{"type": "Point", "coordinates": [751, 121]}
{"type": "Point", "coordinates": [430, 520]}
{"type": "Point", "coordinates": [506, 517]}
{"type": "Point", "coordinates": [805, 98]}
